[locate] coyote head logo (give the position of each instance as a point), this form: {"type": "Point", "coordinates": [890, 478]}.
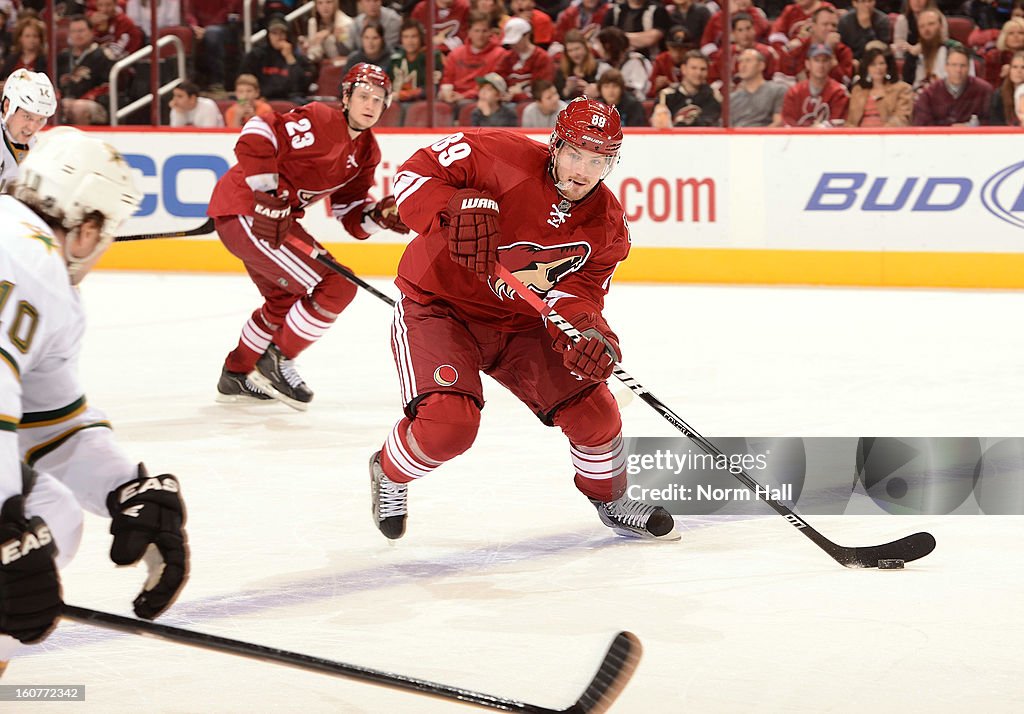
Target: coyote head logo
{"type": "Point", "coordinates": [539, 267]}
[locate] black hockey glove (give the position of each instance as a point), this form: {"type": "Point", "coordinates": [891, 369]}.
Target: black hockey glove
{"type": "Point", "coordinates": [148, 522]}
{"type": "Point", "coordinates": [30, 597]}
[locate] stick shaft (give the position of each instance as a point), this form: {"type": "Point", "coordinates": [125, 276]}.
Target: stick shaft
{"type": "Point", "coordinates": [909, 548]}
{"type": "Point", "coordinates": [295, 659]}
{"type": "Point", "coordinates": [321, 256]}
{"type": "Point", "coordinates": [197, 231]}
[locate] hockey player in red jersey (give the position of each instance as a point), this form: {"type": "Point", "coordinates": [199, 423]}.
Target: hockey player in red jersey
{"type": "Point", "coordinates": [485, 196]}
{"type": "Point", "coordinates": [285, 164]}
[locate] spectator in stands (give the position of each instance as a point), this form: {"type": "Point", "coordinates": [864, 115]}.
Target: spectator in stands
{"type": "Point", "coordinates": [1003, 111]}
{"type": "Point", "coordinates": [283, 72]}
{"type": "Point", "coordinates": [330, 34]}
{"type": "Point", "coordinates": [578, 68]}
{"type": "Point", "coordinates": [819, 100]}
{"type": "Point", "coordinates": [864, 24]}
{"type": "Point", "coordinates": [645, 23]}
{"type": "Point", "coordinates": [956, 100]}
{"type": "Point", "coordinates": [543, 29]}
{"type": "Point", "coordinates": [491, 109]}
{"type": "Point", "coordinates": [496, 12]}
{"type": "Point", "coordinates": [743, 38]}
{"type": "Point", "coordinates": [792, 26]}
{"type": "Point", "coordinates": [822, 31]}
{"type": "Point", "coordinates": [712, 39]}
{"type": "Point", "coordinates": [168, 13]}
{"type": "Point", "coordinates": [374, 49]}
{"type": "Point", "coordinates": [114, 31]}
{"type": "Point", "coordinates": [1018, 101]}
{"type": "Point", "coordinates": [634, 67]}
{"type": "Point", "coordinates": [612, 90]}
{"type": "Point", "coordinates": [524, 62]}
{"type": "Point", "coordinates": [543, 110]}
{"type": "Point", "coordinates": [693, 103]}
{"type": "Point", "coordinates": [755, 101]}
{"type": "Point", "coordinates": [248, 102]}
{"type": "Point", "coordinates": [189, 109]}
{"type": "Point", "coordinates": [584, 16]}
{"type": "Point", "coordinates": [878, 97]}
{"type": "Point", "coordinates": [926, 61]}
{"type": "Point", "coordinates": [906, 37]}
{"type": "Point", "coordinates": [408, 65]}
{"type": "Point", "coordinates": [28, 47]}
{"type": "Point", "coordinates": [6, 12]}
{"type": "Point", "coordinates": [666, 70]}
{"type": "Point", "coordinates": [1010, 40]}
{"type": "Point", "coordinates": [479, 56]}
{"type": "Point", "coordinates": [389, 20]}
{"type": "Point", "coordinates": [451, 21]}
{"type": "Point", "coordinates": [216, 28]}
{"type": "Point", "coordinates": [83, 70]}
{"type": "Point", "coordinates": [692, 15]}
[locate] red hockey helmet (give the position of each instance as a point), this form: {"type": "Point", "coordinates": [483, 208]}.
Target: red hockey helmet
{"type": "Point", "coordinates": [370, 75]}
{"type": "Point", "coordinates": [590, 125]}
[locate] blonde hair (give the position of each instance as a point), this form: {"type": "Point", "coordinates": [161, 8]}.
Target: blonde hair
{"type": "Point", "coordinates": [1017, 22]}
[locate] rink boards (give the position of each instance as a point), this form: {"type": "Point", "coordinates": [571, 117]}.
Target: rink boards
{"type": "Point", "coordinates": [901, 208]}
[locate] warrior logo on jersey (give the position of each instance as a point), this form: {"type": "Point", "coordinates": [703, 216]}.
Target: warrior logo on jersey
{"type": "Point", "coordinates": [446, 375]}
{"type": "Point", "coordinates": [539, 267]}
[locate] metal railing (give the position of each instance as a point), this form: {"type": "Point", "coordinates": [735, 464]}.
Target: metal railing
{"type": "Point", "coordinates": [249, 37]}
{"type": "Point", "coordinates": [115, 71]}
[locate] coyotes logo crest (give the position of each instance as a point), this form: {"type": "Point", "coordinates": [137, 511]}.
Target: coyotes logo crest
{"type": "Point", "coordinates": [539, 267]}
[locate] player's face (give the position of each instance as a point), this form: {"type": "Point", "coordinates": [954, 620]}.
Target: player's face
{"type": "Point", "coordinates": [578, 171]}
{"type": "Point", "coordinates": [365, 105]}
{"type": "Point", "coordinates": [23, 125]}
{"type": "Point", "coordinates": [83, 249]}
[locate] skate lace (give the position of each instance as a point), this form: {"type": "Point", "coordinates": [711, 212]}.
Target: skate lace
{"type": "Point", "coordinates": [290, 374]}
{"type": "Point", "coordinates": [392, 498]}
{"type": "Point", "coordinates": [630, 512]}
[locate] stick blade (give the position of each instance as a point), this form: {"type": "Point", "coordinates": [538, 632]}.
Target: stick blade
{"type": "Point", "coordinates": [612, 676]}
{"type": "Point", "coordinates": [912, 547]}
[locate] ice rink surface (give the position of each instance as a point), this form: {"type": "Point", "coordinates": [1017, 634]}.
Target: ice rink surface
{"type": "Point", "coordinates": [506, 582]}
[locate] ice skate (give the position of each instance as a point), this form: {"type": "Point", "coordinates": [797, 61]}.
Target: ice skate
{"type": "Point", "coordinates": [389, 501]}
{"type": "Point", "coordinates": [636, 519]}
{"type": "Point", "coordinates": [235, 388]}
{"type": "Point", "coordinates": [276, 376]}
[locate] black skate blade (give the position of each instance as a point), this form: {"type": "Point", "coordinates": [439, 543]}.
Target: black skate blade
{"type": "Point", "coordinates": [911, 547]}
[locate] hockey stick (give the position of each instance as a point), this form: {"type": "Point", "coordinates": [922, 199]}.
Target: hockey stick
{"type": "Point", "coordinates": [612, 675]}
{"type": "Point", "coordinates": [199, 231]}
{"type": "Point", "coordinates": [906, 549]}
{"type": "Point", "coordinates": [320, 255]}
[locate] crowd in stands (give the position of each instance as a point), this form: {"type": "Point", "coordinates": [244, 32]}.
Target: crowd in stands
{"type": "Point", "coordinates": [662, 63]}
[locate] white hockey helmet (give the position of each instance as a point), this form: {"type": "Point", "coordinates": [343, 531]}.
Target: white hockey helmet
{"type": "Point", "coordinates": [32, 91]}
{"type": "Point", "coordinates": [70, 175]}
